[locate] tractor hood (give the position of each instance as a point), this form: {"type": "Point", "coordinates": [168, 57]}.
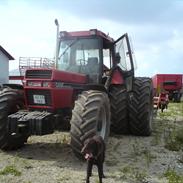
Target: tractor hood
{"type": "Point", "coordinates": [55, 75]}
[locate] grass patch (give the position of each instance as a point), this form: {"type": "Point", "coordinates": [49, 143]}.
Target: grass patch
{"type": "Point", "coordinates": [133, 174]}
{"type": "Point", "coordinates": [63, 179]}
{"type": "Point", "coordinates": [158, 129]}
{"type": "Point", "coordinates": [11, 169]}
{"type": "Point", "coordinates": [174, 139]}
{"type": "Point", "coordinates": [112, 161]}
{"type": "Point", "coordinates": [172, 132]}
{"type": "Point", "coordinates": [148, 157]}
{"type": "Point", "coordinates": [156, 139]}
{"type": "Point", "coordinates": [96, 180]}
{"type": "Point", "coordinates": [172, 176]}
{"type": "Point", "coordinates": [174, 110]}
{"type": "Point", "coordinates": [24, 163]}
{"type": "Point", "coordinates": [136, 150]}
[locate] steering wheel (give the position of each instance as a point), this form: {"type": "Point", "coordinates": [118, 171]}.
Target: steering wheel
{"type": "Point", "coordinates": [81, 61]}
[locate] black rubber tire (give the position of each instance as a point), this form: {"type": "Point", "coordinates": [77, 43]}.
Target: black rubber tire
{"type": "Point", "coordinates": [118, 100]}
{"type": "Point", "coordinates": [177, 97]}
{"type": "Point", "coordinates": [11, 100]}
{"type": "Point", "coordinates": [141, 107]}
{"type": "Point", "coordinates": [90, 116]}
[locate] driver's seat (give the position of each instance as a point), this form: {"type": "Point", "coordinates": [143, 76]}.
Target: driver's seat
{"type": "Point", "coordinates": [93, 69]}
{"type": "Point", "coordinates": [93, 65]}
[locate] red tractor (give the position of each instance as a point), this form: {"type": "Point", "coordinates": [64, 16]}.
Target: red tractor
{"type": "Point", "coordinates": [92, 86]}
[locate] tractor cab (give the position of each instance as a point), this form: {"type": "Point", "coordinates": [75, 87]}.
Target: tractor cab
{"type": "Point", "coordinates": [94, 54]}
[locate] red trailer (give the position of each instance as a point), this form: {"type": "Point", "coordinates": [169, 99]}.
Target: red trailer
{"type": "Point", "coordinates": [171, 83]}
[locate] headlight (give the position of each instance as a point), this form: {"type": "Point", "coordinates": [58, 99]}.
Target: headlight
{"type": "Point", "coordinates": [47, 84]}
{"type": "Point", "coordinates": [58, 84]}
{"type": "Point", "coordinates": [34, 83]}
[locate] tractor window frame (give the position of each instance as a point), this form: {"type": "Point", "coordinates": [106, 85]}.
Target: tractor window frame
{"type": "Point", "coordinates": [127, 53]}
{"type": "Point", "coordinates": [100, 59]}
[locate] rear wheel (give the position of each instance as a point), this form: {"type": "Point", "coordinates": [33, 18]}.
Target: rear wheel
{"type": "Point", "coordinates": [11, 100]}
{"type": "Point", "coordinates": [90, 116]}
{"type": "Point", "coordinates": [177, 97]}
{"type": "Point", "coordinates": [118, 100]}
{"type": "Point", "coordinates": [141, 107]}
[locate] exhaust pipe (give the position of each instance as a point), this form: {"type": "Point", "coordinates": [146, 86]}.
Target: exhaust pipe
{"type": "Point", "coordinates": [57, 43]}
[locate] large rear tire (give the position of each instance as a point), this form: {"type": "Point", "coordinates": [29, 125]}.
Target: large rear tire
{"type": "Point", "coordinates": [118, 100]}
{"type": "Point", "coordinates": [141, 107]}
{"type": "Point", "coordinates": [11, 100]}
{"type": "Point", "coordinates": [90, 116]}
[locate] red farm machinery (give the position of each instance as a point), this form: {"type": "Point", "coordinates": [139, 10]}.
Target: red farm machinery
{"type": "Point", "coordinates": [167, 87]}
{"type": "Point", "coordinates": [90, 88]}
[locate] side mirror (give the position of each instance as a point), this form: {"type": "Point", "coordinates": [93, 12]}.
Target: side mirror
{"type": "Point", "coordinates": [117, 58]}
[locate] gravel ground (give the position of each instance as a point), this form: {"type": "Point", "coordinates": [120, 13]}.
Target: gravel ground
{"type": "Point", "coordinates": [49, 159]}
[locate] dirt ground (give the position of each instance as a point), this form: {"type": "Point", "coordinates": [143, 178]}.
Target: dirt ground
{"type": "Point", "coordinates": [154, 159]}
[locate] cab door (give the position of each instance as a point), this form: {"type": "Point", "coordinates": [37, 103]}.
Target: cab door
{"type": "Point", "coordinates": [125, 59]}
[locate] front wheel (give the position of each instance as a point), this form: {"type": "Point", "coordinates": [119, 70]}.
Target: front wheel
{"type": "Point", "coordinates": [11, 100]}
{"type": "Point", "coordinates": [90, 116]}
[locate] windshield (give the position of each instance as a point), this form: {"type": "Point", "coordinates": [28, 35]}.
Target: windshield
{"type": "Point", "coordinates": [80, 56]}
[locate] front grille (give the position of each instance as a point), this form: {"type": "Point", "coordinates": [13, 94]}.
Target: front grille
{"type": "Point", "coordinates": [40, 74]}
{"type": "Point", "coordinates": [45, 93]}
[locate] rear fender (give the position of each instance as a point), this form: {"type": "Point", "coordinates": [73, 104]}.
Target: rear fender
{"type": "Point", "coordinates": [117, 77]}
{"type": "Point", "coordinates": [114, 77]}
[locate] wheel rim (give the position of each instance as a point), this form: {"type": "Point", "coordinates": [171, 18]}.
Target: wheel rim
{"type": "Point", "coordinates": [101, 124]}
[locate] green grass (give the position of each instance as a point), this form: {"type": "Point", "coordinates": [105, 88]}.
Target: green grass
{"type": "Point", "coordinates": [174, 139]}
{"type": "Point", "coordinates": [132, 173]}
{"type": "Point", "coordinates": [136, 149]}
{"type": "Point", "coordinates": [112, 161]}
{"type": "Point", "coordinates": [172, 176]}
{"type": "Point", "coordinates": [148, 156]}
{"type": "Point", "coordinates": [10, 169]}
{"type": "Point", "coordinates": [97, 180]}
{"type": "Point", "coordinates": [172, 132]}
{"type": "Point", "coordinates": [158, 128]}
{"type": "Point", "coordinates": [174, 110]}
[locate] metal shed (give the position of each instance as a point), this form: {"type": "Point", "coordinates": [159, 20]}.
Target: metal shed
{"type": "Point", "coordinates": [4, 65]}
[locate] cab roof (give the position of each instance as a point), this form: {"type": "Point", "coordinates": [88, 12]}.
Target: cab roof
{"type": "Point", "coordinates": [91, 32]}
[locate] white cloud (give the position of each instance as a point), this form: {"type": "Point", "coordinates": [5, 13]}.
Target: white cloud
{"type": "Point", "coordinates": [30, 31]}
{"type": "Point", "coordinates": [27, 28]}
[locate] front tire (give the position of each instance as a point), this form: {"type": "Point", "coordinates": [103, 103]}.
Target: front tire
{"type": "Point", "coordinates": [141, 107]}
{"type": "Point", "coordinates": [11, 100]}
{"type": "Point", "coordinates": [90, 116]}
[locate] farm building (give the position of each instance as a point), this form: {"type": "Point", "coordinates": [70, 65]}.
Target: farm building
{"type": "Point", "coordinates": [4, 65]}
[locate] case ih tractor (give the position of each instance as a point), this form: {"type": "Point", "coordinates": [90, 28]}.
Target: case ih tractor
{"type": "Point", "coordinates": [92, 86]}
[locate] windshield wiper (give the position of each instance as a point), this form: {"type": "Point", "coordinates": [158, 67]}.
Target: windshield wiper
{"type": "Point", "coordinates": [68, 47]}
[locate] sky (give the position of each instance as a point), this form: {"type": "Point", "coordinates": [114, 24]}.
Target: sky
{"type": "Point", "coordinates": [155, 28]}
